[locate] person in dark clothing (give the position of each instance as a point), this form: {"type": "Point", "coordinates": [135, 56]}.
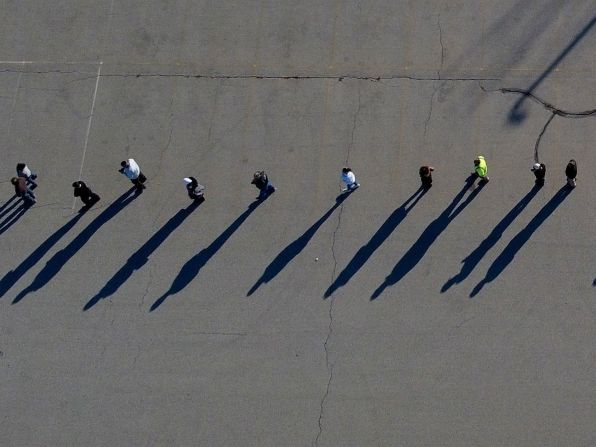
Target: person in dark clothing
{"type": "Point", "coordinates": [24, 171]}
{"type": "Point", "coordinates": [22, 190]}
{"type": "Point", "coordinates": [426, 176]}
{"type": "Point", "coordinates": [571, 173]}
{"type": "Point", "coordinates": [261, 181]}
{"type": "Point", "coordinates": [539, 170]}
{"type": "Point", "coordinates": [88, 197]}
{"type": "Point", "coordinates": [195, 190]}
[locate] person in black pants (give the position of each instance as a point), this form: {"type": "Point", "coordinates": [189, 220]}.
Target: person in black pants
{"type": "Point", "coordinates": [195, 190]}
{"type": "Point", "coordinates": [261, 181]}
{"type": "Point", "coordinates": [88, 197]}
{"type": "Point", "coordinates": [539, 170]}
{"type": "Point", "coordinates": [426, 176]}
{"type": "Point", "coordinates": [571, 173]}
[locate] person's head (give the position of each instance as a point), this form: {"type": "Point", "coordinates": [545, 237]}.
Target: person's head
{"type": "Point", "coordinates": [424, 170]}
{"type": "Point", "coordinates": [536, 167]}
{"type": "Point", "coordinates": [21, 166]}
{"type": "Point", "coordinates": [476, 161]}
{"type": "Point", "coordinates": [124, 164]}
{"type": "Point", "coordinates": [14, 180]}
{"type": "Point", "coordinates": [572, 162]}
{"type": "Point", "coordinates": [76, 184]}
{"type": "Point", "coordinates": [345, 170]}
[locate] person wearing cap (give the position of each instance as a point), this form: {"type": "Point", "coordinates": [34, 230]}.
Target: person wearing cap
{"type": "Point", "coordinates": [348, 177]}
{"type": "Point", "coordinates": [480, 168]}
{"type": "Point", "coordinates": [426, 176]}
{"type": "Point", "coordinates": [21, 189]}
{"type": "Point", "coordinates": [571, 173]}
{"type": "Point", "coordinates": [195, 190]}
{"type": "Point", "coordinates": [539, 170]}
{"type": "Point", "coordinates": [24, 171]}
{"type": "Point", "coordinates": [131, 169]}
{"type": "Point", "coordinates": [265, 187]}
{"type": "Point", "coordinates": [88, 197]}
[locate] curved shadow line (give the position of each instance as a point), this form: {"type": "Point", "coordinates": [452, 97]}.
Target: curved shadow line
{"type": "Point", "coordinates": [56, 262]}
{"type": "Point", "coordinates": [294, 248]}
{"type": "Point", "coordinates": [11, 278]}
{"type": "Point", "coordinates": [518, 241]}
{"type": "Point", "coordinates": [194, 265]}
{"type": "Point", "coordinates": [472, 260]}
{"type": "Point", "coordinates": [377, 239]}
{"type": "Point", "coordinates": [141, 256]}
{"type": "Point", "coordinates": [417, 251]}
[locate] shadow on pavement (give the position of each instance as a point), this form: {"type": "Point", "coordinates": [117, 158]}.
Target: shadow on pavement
{"type": "Point", "coordinates": [472, 260]}
{"type": "Point", "coordinates": [194, 265]}
{"type": "Point", "coordinates": [516, 115]}
{"type": "Point", "coordinates": [8, 205]}
{"type": "Point", "coordinates": [292, 250]}
{"type": "Point", "coordinates": [56, 262]}
{"type": "Point", "coordinates": [518, 241]}
{"type": "Point", "coordinates": [13, 217]}
{"type": "Point", "coordinates": [367, 250]}
{"type": "Point", "coordinates": [429, 236]}
{"type": "Point", "coordinates": [141, 256]}
{"type": "Point", "coordinates": [11, 278]}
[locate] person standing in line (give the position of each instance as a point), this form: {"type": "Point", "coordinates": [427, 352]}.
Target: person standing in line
{"type": "Point", "coordinates": [539, 170]}
{"type": "Point", "coordinates": [195, 190]}
{"type": "Point", "coordinates": [88, 197]}
{"type": "Point", "coordinates": [24, 171]}
{"type": "Point", "coordinates": [481, 169]}
{"type": "Point", "coordinates": [261, 181]}
{"type": "Point", "coordinates": [132, 170]}
{"type": "Point", "coordinates": [426, 176]}
{"type": "Point", "coordinates": [571, 173]}
{"type": "Point", "coordinates": [21, 189]}
{"type": "Point", "coordinates": [348, 177]}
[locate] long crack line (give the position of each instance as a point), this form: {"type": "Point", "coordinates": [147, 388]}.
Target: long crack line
{"type": "Point", "coordinates": [536, 158]}
{"type": "Point", "coordinates": [548, 106]}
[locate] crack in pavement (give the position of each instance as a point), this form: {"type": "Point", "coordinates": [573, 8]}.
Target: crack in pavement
{"type": "Point", "coordinates": [430, 110]}
{"type": "Point", "coordinates": [441, 43]}
{"type": "Point", "coordinates": [548, 106]}
{"type": "Point", "coordinates": [536, 158]}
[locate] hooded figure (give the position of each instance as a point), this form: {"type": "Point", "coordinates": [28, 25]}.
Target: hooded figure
{"type": "Point", "coordinates": [539, 170]}
{"type": "Point", "coordinates": [88, 197]}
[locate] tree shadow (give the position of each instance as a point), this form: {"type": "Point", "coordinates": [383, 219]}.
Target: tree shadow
{"type": "Point", "coordinates": [292, 250]}
{"type": "Point", "coordinates": [518, 241]}
{"type": "Point", "coordinates": [11, 278]}
{"type": "Point", "coordinates": [13, 217]}
{"type": "Point", "coordinates": [472, 260]}
{"type": "Point", "coordinates": [516, 114]}
{"type": "Point", "coordinates": [141, 256]}
{"type": "Point", "coordinates": [429, 236]}
{"type": "Point", "coordinates": [56, 262]}
{"type": "Point", "coordinates": [367, 250]}
{"type": "Point", "coordinates": [194, 265]}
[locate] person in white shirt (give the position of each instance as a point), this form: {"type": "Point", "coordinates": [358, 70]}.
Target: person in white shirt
{"type": "Point", "coordinates": [349, 179]}
{"type": "Point", "coordinates": [132, 170]}
{"type": "Point", "coordinates": [24, 171]}
{"type": "Point", "coordinates": [195, 190]}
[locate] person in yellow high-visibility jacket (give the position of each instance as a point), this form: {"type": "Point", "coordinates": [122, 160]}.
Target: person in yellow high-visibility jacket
{"type": "Point", "coordinates": [481, 169]}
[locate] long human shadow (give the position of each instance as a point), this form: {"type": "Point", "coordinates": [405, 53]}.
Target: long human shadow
{"type": "Point", "coordinates": [428, 237]}
{"type": "Point", "coordinates": [194, 265]}
{"type": "Point", "coordinates": [8, 205]}
{"type": "Point", "coordinates": [13, 217]}
{"type": "Point", "coordinates": [516, 115]}
{"type": "Point", "coordinates": [367, 250]}
{"type": "Point", "coordinates": [56, 262]}
{"type": "Point", "coordinates": [11, 278]}
{"type": "Point", "coordinates": [141, 256]}
{"type": "Point", "coordinates": [471, 261]}
{"type": "Point", "coordinates": [518, 241]}
{"type": "Point", "coordinates": [294, 248]}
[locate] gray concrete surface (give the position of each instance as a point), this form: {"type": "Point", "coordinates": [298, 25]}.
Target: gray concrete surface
{"type": "Point", "coordinates": [133, 324]}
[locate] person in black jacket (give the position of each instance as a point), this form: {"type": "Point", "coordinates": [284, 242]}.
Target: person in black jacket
{"type": "Point", "coordinates": [571, 173]}
{"type": "Point", "coordinates": [195, 190]}
{"type": "Point", "coordinates": [539, 170]}
{"type": "Point", "coordinates": [261, 181]}
{"type": "Point", "coordinates": [88, 197]}
{"type": "Point", "coordinates": [426, 176]}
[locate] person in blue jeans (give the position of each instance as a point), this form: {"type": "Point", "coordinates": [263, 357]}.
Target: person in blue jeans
{"type": "Point", "coordinates": [261, 181]}
{"type": "Point", "coordinates": [21, 189]}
